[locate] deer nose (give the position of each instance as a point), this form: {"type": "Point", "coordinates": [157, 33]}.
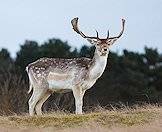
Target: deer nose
{"type": "Point", "coordinates": [105, 49]}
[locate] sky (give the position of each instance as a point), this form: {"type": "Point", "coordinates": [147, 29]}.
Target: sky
{"type": "Point", "coordinates": [40, 20]}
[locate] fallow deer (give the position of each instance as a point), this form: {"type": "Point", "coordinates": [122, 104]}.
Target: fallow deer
{"type": "Point", "coordinates": [48, 75]}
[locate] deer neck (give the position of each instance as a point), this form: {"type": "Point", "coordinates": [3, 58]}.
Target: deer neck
{"type": "Point", "coordinates": [98, 65]}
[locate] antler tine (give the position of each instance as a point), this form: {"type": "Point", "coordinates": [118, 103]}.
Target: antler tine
{"type": "Point", "coordinates": [74, 23]}
{"type": "Point", "coordinates": [97, 34]}
{"type": "Point", "coordinates": [120, 34]}
{"type": "Point", "coordinates": [107, 34]}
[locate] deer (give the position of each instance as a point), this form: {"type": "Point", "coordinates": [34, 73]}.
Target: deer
{"type": "Point", "coordinates": [58, 75]}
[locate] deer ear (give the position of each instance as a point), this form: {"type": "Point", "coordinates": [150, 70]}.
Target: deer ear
{"type": "Point", "coordinates": [92, 41]}
{"type": "Point", "coordinates": [111, 41]}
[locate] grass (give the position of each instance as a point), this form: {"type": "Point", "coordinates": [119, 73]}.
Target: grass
{"type": "Point", "coordinates": [102, 119]}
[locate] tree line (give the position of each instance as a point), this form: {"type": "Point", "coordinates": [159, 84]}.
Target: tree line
{"type": "Point", "coordinates": [130, 78]}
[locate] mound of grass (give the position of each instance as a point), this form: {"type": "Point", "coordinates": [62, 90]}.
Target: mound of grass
{"type": "Point", "coordinates": [103, 118]}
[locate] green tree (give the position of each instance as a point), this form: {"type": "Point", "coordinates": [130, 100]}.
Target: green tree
{"type": "Point", "coordinates": [86, 51]}
{"type": "Point", "coordinates": [28, 53]}
{"type": "Point", "coordinates": [6, 61]}
{"type": "Point", "coordinates": [55, 48]}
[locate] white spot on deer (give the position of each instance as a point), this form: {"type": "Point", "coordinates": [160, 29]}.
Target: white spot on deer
{"type": "Point", "coordinates": [38, 75]}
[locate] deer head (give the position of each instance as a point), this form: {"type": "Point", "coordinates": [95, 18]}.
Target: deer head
{"type": "Point", "coordinates": [102, 45]}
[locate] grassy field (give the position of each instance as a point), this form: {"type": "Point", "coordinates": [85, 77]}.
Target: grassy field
{"type": "Point", "coordinates": [147, 119]}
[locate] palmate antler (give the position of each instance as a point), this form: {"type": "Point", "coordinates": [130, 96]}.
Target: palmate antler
{"type": "Point", "coordinates": [74, 23]}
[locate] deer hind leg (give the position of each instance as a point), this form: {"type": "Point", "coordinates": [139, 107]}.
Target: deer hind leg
{"type": "Point", "coordinates": [31, 106]}
{"type": "Point", "coordinates": [78, 95]}
{"type": "Point", "coordinates": [38, 106]}
{"type": "Point", "coordinates": [36, 96]}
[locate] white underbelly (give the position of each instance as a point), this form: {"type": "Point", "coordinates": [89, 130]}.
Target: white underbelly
{"type": "Point", "coordinates": [59, 84]}
{"type": "Point", "coordinates": [60, 81]}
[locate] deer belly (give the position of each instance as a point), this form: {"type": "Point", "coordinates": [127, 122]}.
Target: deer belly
{"type": "Point", "coordinates": [55, 85]}
{"type": "Point", "coordinates": [59, 81]}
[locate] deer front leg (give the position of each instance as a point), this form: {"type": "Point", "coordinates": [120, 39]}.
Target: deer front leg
{"type": "Point", "coordinates": [78, 95]}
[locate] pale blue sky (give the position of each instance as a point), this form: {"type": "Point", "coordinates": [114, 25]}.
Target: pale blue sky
{"type": "Point", "coordinates": [43, 19]}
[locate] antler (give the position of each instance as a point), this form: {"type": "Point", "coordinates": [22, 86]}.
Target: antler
{"type": "Point", "coordinates": [120, 34]}
{"type": "Point", "coordinates": [107, 34]}
{"type": "Point", "coordinates": [74, 23]}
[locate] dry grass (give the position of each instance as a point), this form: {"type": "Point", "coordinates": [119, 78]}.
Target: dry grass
{"type": "Point", "coordinates": [138, 119]}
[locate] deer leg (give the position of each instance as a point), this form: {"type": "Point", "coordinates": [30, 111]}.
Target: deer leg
{"type": "Point", "coordinates": [38, 106]}
{"type": "Point", "coordinates": [78, 95]}
{"type": "Point", "coordinates": [37, 94]}
{"type": "Point", "coordinates": [31, 107]}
